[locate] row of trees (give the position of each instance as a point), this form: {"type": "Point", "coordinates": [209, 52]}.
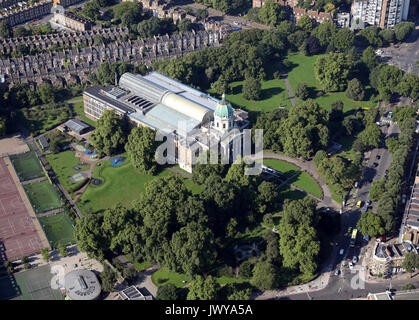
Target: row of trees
{"type": "Point", "coordinates": [388, 189]}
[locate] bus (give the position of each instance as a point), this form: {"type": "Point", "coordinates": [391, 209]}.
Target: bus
{"type": "Point", "coordinates": [353, 237]}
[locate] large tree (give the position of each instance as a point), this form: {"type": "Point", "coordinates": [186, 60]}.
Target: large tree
{"type": "Point", "coordinates": [192, 249]}
{"type": "Point", "coordinates": [251, 88]}
{"type": "Point", "coordinates": [264, 276]}
{"type": "Point", "coordinates": [299, 245]}
{"type": "Point", "coordinates": [355, 90]}
{"type": "Point", "coordinates": [411, 262]}
{"type": "Point", "coordinates": [141, 148]}
{"type": "Point", "coordinates": [370, 224]}
{"type": "Point", "coordinates": [271, 13]}
{"type": "Point", "coordinates": [5, 29]}
{"type": "Point", "coordinates": [203, 289]}
{"type": "Point", "coordinates": [332, 71]}
{"type": "Point", "coordinates": [110, 134]}
{"type": "Point", "coordinates": [305, 130]}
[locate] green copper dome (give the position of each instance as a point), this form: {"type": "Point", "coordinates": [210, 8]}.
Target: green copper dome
{"type": "Point", "coordinates": [223, 109]}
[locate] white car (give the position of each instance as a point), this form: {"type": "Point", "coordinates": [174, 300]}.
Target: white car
{"type": "Point", "coordinates": [351, 265]}
{"type": "Point", "coordinates": [354, 259]}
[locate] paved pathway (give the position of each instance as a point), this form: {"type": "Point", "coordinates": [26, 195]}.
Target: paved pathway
{"type": "Point", "coordinates": [181, 172]}
{"type": "Point", "coordinates": [34, 180]}
{"type": "Point", "coordinates": [288, 86]}
{"type": "Point", "coordinates": [144, 280]}
{"type": "Point", "coordinates": [50, 212]}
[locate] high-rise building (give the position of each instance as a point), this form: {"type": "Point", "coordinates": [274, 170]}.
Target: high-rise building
{"type": "Point", "coordinates": [382, 13]}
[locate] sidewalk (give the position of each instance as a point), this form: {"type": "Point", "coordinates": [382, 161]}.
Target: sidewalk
{"type": "Point", "coordinates": [317, 284]}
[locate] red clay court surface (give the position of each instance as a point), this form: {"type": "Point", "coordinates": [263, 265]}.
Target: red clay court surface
{"type": "Point", "coordinates": [18, 236]}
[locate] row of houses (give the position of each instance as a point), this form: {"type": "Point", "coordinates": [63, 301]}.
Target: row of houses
{"type": "Point", "coordinates": [64, 39]}
{"type": "Point", "coordinates": [27, 13]}
{"type": "Point", "coordinates": [82, 62]}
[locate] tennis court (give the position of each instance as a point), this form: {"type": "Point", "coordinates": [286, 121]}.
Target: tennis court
{"type": "Point", "coordinates": [58, 229]}
{"type": "Point", "coordinates": [43, 196]}
{"type": "Point", "coordinates": [29, 285]}
{"type": "Point", "coordinates": [27, 166]}
{"type": "Point", "coordinates": [18, 235]}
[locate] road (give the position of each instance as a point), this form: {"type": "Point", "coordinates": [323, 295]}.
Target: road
{"type": "Point", "coordinates": [346, 285]}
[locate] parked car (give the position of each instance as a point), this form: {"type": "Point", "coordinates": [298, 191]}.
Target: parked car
{"type": "Point", "coordinates": [349, 230]}
{"type": "Point", "coordinates": [351, 265]}
{"type": "Point", "coordinates": [337, 271]}
{"type": "Point", "coordinates": [341, 251]}
{"type": "Point", "coordinates": [354, 259]}
{"type": "Point", "coordinates": [368, 202]}
{"type": "Point", "coordinates": [375, 165]}
{"type": "Point", "coordinates": [364, 209]}
{"type": "Point", "coordinates": [378, 157]}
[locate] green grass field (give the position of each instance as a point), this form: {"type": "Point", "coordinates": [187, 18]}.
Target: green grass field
{"type": "Point", "coordinates": [307, 183]}
{"type": "Point", "coordinates": [302, 70]}
{"type": "Point", "coordinates": [164, 276]}
{"type": "Point", "coordinates": [273, 94]}
{"type": "Point", "coordinates": [62, 164]}
{"type": "Point", "coordinates": [286, 168]}
{"type": "Point", "coordinates": [42, 195]}
{"type": "Point", "coordinates": [78, 107]}
{"type": "Point", "coordinates": [58, 229]}
{"type": "Point", "coordinates": [120, 185]}
{"type": "Point", "coordinates": [27, 166]}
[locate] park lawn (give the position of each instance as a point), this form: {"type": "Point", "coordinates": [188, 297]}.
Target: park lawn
{"type": "Point", "coordinates": [164, 276]}
{"type": "Point", "coordinates": [120, 185]}
{"type": "Point", "coordinates": [42, 195]}
{"type": "Point", "coordinates": [273, 94]}
{"type": "Point", "coordinates": [227, 280]}
{"type": "Point", "coordinates": [287, 193]}
{"type": "Point", "coordinates": [308, 184]}
{"type": "Point", "coordinates": [302, 70]}
{"type": "Point", "coordinates": [62, 164]}
{"type": "Point", "coordinates": [78, 108]}
{"type": "Point", "coordinates": [335, 196]}
{"type": "Point", "coordinates": [286, 168]}
{"type": "Point", "coordinates": [58, 229]}
{"type": "Point", "coordinates": [192, 186]}
{"type": "Point", "coordinates": [140, 266]}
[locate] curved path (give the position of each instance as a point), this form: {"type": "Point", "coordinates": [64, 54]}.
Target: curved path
{"type": "Point", "coordinates": [309, 167]}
